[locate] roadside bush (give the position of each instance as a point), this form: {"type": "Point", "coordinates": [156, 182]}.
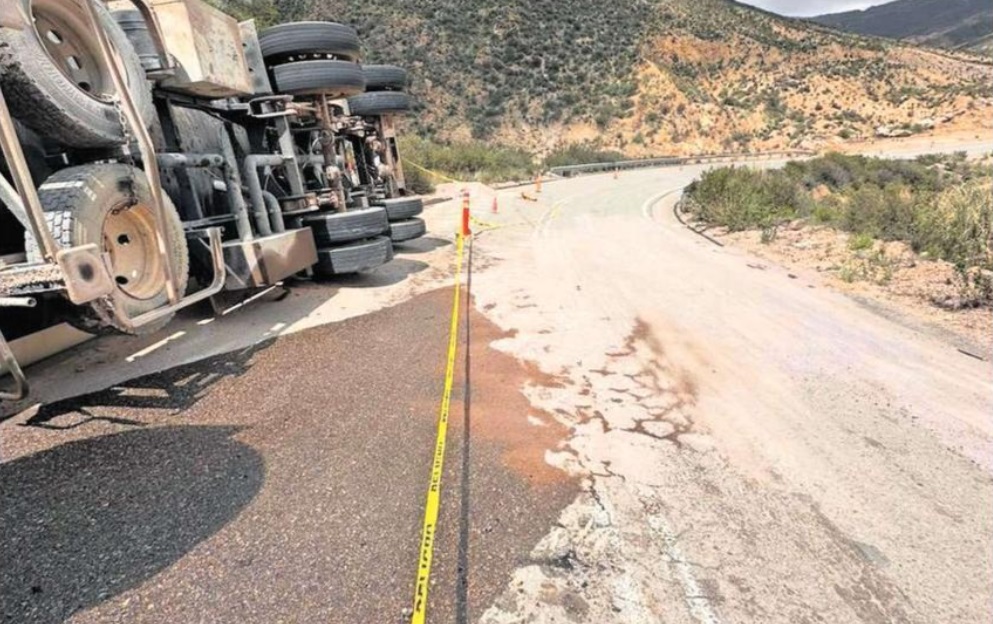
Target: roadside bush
{"type": "Point", "coordinates": [879, 212]}
{"type": "Point", "coordinates": [418, 182]}
{"type": "Point", "coordinates": [840, 171]}
{"type": "Point", "coordinates": [941, 206]}
{"type": "Point", "coordinates": [957, 225]}
{"type": "Point", "coordinates": [861, 242]}
{"type": "Point", "coordinates": [581, 154]}
{"type": "Point", "coordinates": [742, 199]}
{"type": "Point", "coordinates": [475, 161]}
{"type": "Point", "coordinates": [868, 265]}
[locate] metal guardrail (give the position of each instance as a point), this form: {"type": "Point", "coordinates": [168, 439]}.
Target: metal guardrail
{"type": "Point", "coordinates": [670, 161]}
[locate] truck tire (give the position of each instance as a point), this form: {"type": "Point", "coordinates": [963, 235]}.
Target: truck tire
{"type": "Point", "coordinates": [406, 230]}
{"type": "Point", "coordinates": [88, 205]}
{"type": "Point", "coordinates": [298, 38]}
{"type": "Point", "coordinates": [402, 208]}
{"type": "Point", "coordinates": [354, 257]}
{"type": "Point", "coordinates": [379, 103]}
{"type": "Point", "coordinates": [340, 227]}
{"type": "Point", "coordinates": [55, 80]}
{"type": "Point", "coordinates": [384, 78]}
{"type": "Point", "coordinates": [333, 78]}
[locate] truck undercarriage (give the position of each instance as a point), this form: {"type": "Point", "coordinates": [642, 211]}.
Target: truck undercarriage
{"type": "Point", "coordinates": [158, 152]}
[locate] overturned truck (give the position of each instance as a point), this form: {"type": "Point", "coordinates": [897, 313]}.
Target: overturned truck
{"type": "Point", "coordinates": [158, 152]}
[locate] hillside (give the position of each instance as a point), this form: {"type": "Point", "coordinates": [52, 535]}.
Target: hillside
{"type": "Point", "coordinates": [654, 76]}
{"type": "Point", "coordinates": [953, 24]}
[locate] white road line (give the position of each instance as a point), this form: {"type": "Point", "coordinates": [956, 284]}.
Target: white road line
{"type": "Point", "coordinates": [646, 208]}
{"type": "Point", "coordinates": [249, 300]}
{"type": "Point", "coordinates": [696, 599]}
{"type": "Point", "coordinates": [153, 347]}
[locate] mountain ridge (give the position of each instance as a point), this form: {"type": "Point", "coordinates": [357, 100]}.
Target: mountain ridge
{"type": "Point", "coordinates": [654, 77]}
{"type": "Point", "coordinates": [953, 24]}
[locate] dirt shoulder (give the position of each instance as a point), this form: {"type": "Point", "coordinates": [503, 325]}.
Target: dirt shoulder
{"type": "Point", "coordinates": [888, 276]}
{"type": "Point", "coordinates": [975, 138]}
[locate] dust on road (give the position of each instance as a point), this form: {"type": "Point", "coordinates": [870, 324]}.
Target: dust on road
{"type": "Point", "coordinates": [750, 449]}
{"type": "Point", "coordinates": [660, 433]}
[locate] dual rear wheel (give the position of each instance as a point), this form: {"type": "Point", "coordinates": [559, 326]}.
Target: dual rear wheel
{"type": "Point", "coordinates": [56, 82]}
{"type": "Point", "coordinates": [110, 205]}
{"type": "Point", "coordinates": [321, 59]}
{"type": "Point", "coordinates": [313, 58]}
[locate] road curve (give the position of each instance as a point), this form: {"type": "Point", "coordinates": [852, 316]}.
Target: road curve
{"type": "Point", "coordinates": [663, 430]}
{"type": "Point", "coordinates": [754, 447]}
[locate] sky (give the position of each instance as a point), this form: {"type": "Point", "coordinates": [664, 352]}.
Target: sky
{"type": "Point", "coordinates": [806, 8]}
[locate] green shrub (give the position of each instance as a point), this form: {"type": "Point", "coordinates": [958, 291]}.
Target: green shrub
{"type": "Point", "coordinates": [880, 212]}
{"type": "Point", "coordinates": [861, 242]}
{"type": "Point", "coordinates": [839, 171]}
{"type": "Point", "coordinates": [957, 225]}
{"type": "Point", "coordinates": [581, 154]}
{"type": "Point", "coordinates": [475, 161]}
{"type": "Point", "coordinates": [741, 199]}
{"type": "Point", "coordinates": [418, 182]}
{"type": "Point", "coordinates": [942, 206]}
{"type": "Point", "coordinates": [873, 266]}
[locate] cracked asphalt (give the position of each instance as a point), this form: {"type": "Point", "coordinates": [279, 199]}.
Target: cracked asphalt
{"type": "Point", "coordinates": [659, 434]}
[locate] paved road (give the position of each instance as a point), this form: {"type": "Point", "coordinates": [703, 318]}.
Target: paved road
{"type": "Point", "coordinates": [755, 448]}
{"type": "Point", "coordinates": [283, 482]}
{"type": "Point", "coordinates": [660, 433]}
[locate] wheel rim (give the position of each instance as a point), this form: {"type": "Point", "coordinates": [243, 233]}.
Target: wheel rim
{"type": "Point", "coordinates": [64, 31]}
{"type": "Point", "coordinates": [129, 238]}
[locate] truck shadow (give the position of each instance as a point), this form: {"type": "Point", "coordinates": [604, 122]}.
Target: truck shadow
{"type": "Point", "coordinates": [170, 391]}
{"type": "Point", "coordinates": [394, 272]}
{"type": "Point", "coordinates": [421, 245]}
{"type": "Point", "coordinates": [90, 519]}
{"type": "Point", "coordinates": [247, 319]}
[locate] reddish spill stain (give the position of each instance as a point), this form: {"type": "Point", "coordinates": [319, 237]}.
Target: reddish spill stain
{"type": "Point", "coordinates": [684, 384]}
{"type": "Point", "coordinates": [500, 410]}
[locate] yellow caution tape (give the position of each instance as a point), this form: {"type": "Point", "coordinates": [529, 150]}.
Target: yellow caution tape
{"type": "Point", "coordinates": [429, 172]}
{"type": "Point", "coordinates": [485, 224]}
{"type": "Point", "coordinates": [434, 487]}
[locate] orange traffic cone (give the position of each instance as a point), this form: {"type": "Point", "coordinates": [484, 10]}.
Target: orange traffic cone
{"type": "Point", "coordinates": [465, 213]}
{"type": "Point", "coordinates": [496, 208]}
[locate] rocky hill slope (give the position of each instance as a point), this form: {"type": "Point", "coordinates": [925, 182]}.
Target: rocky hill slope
{"type": "Point", "coordinates": [654, 76]}
{"type": "Point", "coordinates": [953, 24]}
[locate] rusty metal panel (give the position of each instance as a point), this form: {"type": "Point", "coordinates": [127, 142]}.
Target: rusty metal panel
{"type": "Point", "coordinates": [253, 54]}
{"type": "Point", "coordinates": [86, 275]}
{"type": "Point", "coordinates": [266, 261]}
{"type": "Point", "coordinates": [387, 127]}
{"type": "Point", "coordinates": [207, 45]}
